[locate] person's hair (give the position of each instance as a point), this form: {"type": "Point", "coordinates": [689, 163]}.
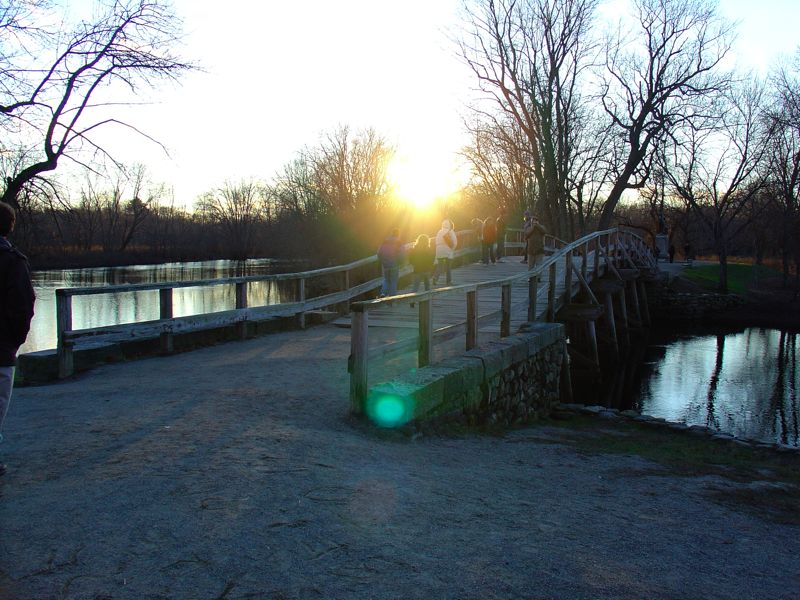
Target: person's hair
{"type": "Point", "coordinates": [7, 218]}
{"type": "Point", "coordinates": [395, 232]}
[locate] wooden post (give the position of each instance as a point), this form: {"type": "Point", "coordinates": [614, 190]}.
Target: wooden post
{"type": "Point", "coordinates": [302, 294]}
{"type": "Point", "coordinates": [643, 301]}
{"type": "Point", "coordinates": [635, 297]}
{"type": "Point", "coordinates": [623, 313]}
{"type": "Point", "coordinates": [568, 278]}
{"type": "Point", "coordinates": [533, 291]}
{"type": "Point", "coordinates": [358, 360]}
{"type": "Point", "coordinates": [425, 333]}
{"type": "Point", "coordinates": [505, 310]}
{"type": "Point", "coordinates": [592, 335]}
{"type": "Point", "coordinates": [241, 303]}
{"type": "Point", "coordinates": [566, 377]}
{"type": "Point", "coordinates": [585, 259]}
{"type": "Point", "coordinates": [472, 319]}
{"type": "Point", "coordinates": [347, 287]}
{"type": "Point", "coordinates": [166, 338]}
{"type": "Point", "coordinates": [612, 326]}
{"type": "Point", "coordinates": [66, 365]}
{"type": "Point", "coordinates": [551, 295]}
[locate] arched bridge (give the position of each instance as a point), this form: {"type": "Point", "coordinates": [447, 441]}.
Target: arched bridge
{"type": "Point", "coordinates": [595, 279]}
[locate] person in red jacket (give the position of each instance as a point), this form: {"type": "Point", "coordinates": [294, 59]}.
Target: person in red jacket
{"type": "Point", "coordinates": [16, 309]}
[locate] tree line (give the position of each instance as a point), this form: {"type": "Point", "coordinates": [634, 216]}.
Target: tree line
{"type": "Point", "coordinates": [589, 125]}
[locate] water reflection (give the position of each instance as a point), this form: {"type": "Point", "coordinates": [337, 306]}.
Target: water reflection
{"type": "Point", "coordinates": [743, 383]}
{"type": "Point", "coordinates": [132, 307]}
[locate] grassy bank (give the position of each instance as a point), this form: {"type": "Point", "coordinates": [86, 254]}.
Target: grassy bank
{"type": "Point", "coordinates": [741, 277]}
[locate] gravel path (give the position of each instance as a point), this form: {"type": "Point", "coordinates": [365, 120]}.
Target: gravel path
{"type": "Point", "coordinates": [234, 472]}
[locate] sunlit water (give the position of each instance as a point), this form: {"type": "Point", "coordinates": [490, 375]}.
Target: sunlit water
{"type": "Point", "coordinates": [132, 307]}
{"type": "Point", "coordinates": [744, 383]}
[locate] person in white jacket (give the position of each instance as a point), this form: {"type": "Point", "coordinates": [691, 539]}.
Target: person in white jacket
{"type": "Point", "coordinates": [446, 242]}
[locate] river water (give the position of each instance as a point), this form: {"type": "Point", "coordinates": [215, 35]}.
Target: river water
{"type": "Point", "coordinates": [132, 307]}
{"type": "Point", "coordinates": [744, 382]}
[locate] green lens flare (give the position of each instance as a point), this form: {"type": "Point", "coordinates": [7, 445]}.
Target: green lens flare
{"type": "Point", "coordinates": [389, 411]}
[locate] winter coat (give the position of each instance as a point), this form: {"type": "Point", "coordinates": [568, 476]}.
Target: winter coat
{"type": "Point", "coordinates": [445, 234]}
{"type": "Point", "coordinates": [421, 258]}
{"type": "Point", "coordinates": [534, 235]}
{"type": "Point", "coordinates": [489, 231]}
{"type": "Point", "coordinates": [391, 252]}
{"type": "Point", "coordinates": [16, 302]}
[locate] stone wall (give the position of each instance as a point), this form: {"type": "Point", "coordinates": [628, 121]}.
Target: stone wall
{"type": "Point", "coordinates": [666, 304]}
{"type": "Point", "coordinates": [513, 380]}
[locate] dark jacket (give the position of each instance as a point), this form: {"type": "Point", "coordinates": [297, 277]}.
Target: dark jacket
{"type": "Point", "coordinates": [16, 301]}
{"type": "Point", "coordinates": [421, 258]}
{"type": "Point", "coordinates": [391, 252]}
{"type": "Point", "coordinates": [534, 236]}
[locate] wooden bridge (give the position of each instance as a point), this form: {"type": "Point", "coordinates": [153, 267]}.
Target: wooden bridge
{"type": "Point", "coordinates": [597, 278]}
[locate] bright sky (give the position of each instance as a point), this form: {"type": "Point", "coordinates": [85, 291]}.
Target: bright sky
{"type": "Point", "coordinates": [278, 74]}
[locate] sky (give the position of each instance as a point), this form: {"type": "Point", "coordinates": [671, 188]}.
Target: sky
{"type": "Point", "coordinates": [278, 75]}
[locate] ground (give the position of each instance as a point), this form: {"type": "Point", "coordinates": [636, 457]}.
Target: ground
{"type": "Point", "coordinates": [235, 472]}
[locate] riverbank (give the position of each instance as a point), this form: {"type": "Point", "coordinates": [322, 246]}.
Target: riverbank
{"type": "Point", "coordinates": [234, 471]}
{"type": "Point", "coordinates": [763, 303]}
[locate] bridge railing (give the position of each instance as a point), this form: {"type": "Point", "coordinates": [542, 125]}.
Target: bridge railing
{"type": "Point", "coordinates": [596, 253]}
{"type": "Point", "coordinates": [167, 325]}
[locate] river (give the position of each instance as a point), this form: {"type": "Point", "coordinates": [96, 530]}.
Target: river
{"type": "Point", "coordinates": [740, 382]}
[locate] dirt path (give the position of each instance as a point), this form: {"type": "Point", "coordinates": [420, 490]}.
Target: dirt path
{"type": "Point", "coordinates": [233, 472]}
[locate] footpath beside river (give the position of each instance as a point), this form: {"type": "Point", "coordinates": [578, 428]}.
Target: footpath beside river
{"type": "Point", "coordinates": [234, 472]}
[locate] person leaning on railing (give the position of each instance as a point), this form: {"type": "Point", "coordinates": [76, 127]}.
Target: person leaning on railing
{"type": "Point", "coordinates": [16, 309]}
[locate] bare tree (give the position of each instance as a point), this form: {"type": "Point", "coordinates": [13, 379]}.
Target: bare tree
{"type": "Point", "coordinates": [235, 209]}
{"type": "Point", "coordinates": [659, 82]}
{"type": "Point", "coordinates": [57, 89]}
{"type": "Point", "coordinates": [500, 164]}
{"type": "Point", "coordinates": [350, 171]}
{"type": "Point", "coordinates": [784, 159]}
{"type": "Point", "coordinates": [529, 57]}
{"type": "Point", "coordinates": [718, 167]}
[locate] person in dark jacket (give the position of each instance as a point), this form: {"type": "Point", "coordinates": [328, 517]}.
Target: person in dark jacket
{"type": "Point", "coordinates": [390, 254]}
{"type": "Point", "coordinates": [421, 258]}
{"type": "Point", "coordinates": [16, 309]}
{"type": "Point", "coordinates": [534, 236]}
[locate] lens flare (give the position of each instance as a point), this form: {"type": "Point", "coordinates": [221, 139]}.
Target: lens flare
{"type": "Point", "coordinates": [386, 410]}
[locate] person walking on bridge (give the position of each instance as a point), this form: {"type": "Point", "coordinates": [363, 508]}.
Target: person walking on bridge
{"type": "Point", "coordinates": [16, 309]}
{"type": "Point", "coordinates": [391, 254]}
{"type": "Point", "coordinates": [534, 238]}
{"type": "Point", "coordinates": [446, 242]}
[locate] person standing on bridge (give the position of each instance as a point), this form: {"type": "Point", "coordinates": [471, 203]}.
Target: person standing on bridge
{"type": "Point", "coordinates": [488, 239]}
{"type": "Point", "coordinates": [534, 238]}
{"type": "Point", "coordinates": [446, 242]}
{"type": "Point", "coordinates": [16, 309]}
{"type": "Point", "coordinates": [390, 255]}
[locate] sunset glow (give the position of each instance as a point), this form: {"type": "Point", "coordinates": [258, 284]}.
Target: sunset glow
{"type": "Point", "coordinates": [420, 182]}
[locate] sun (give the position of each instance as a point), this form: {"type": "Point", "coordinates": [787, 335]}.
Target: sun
{"type": "Point", "coordinates": [419, 181]}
